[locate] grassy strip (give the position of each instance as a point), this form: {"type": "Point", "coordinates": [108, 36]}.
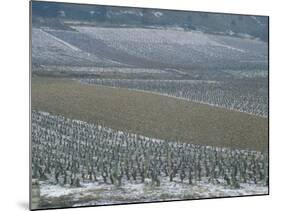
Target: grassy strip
{"type": "Point", "coordinates": [150, 115]}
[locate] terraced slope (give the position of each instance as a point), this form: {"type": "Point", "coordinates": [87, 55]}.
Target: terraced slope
{"type": "Point", "coordinates": [149, 48]}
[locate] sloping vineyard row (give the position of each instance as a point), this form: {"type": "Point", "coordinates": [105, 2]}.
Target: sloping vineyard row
{"type": "Point", "coordinates": [245, 96]}
{"type": "Point", "coordinates": [68, 152]}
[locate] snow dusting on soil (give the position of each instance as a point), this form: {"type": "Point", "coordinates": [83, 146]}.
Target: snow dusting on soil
{"type": "Point", "coordinates": [99, 193]}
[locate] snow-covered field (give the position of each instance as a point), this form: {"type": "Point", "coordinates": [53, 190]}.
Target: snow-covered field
{"type": "Point", "coordinates": [100, 193]}
{"type": "Point", "coordinates": [48, 49]}
{"type": "Point", "coordinates": [78, 163]}
{"type": "Point", "coordinates": [178, 47]}
{"type": "Point", "coordinates": [92, 69]}
{"type": "Point", "coordinates": [150, 48]}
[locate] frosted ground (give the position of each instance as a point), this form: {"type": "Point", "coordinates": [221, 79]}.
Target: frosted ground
{"type": "Point", "coordinates": [61, 132]}
{"type": "Point", "coordinates": [100, 193]}
{"type": "Point", "coordinates": [150, 48]}
{"type": "Point", "coordinates": [237, 65]}
{"type": "Point", "coordinates": [222, 71]}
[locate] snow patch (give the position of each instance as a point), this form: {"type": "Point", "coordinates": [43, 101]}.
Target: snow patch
{"type": "Point", "coordinates": [157, 14]}
{"type": "Point", "coordinates": [141, 192]}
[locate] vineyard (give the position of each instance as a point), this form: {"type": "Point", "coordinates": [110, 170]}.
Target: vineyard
{"type": "Point", "coordinates": [248, 96]}
{"type": "Point", "coordinates": [74, 154]}
{"type": "Point", "coordinates": [145, 113]}
{"type": "Point", "coordinates": [145, 48]}
{"type": "Point", "coordinates": [175, 48]}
